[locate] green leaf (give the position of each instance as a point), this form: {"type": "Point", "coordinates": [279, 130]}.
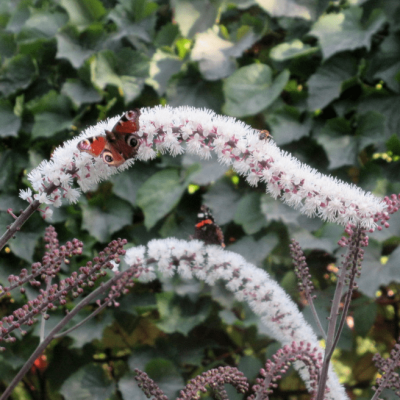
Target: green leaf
{"type": "Point", "coordinates": [91, 330]}
{"type": "Point", "coordinates": [10, 123]}
{"type": "Point", "coordinates": [341, 149]}
{"type": "Point", "coordinates": [345, 30]}
{"type": "Point", "coordinates": [83, 12]}
{"type": "Point", "coordinates": [17, 73]}
{"type": "Point", "coordinates": [255, 251]}
{"type": "Point", "coordinates": [42, 25]}
{"type": "Point", "coordinates": [77, 46]}
{"type": "Point", "coordinates": [223, 199]}
{"type": "Point", "coordinates": [374, 272]}
{"type": "Point", "coordinates": [126, 70]}
{"type": "Point", "coordinates": [52, 114]}
{"type": "Point", "coordinates": [211, 170]}
{"type": "Point", "coordinates": [275, 210]}
{"type": "Point", "coordinates": [295, 48]}
{"type": "Point", "coordinates": [88, 383]}
{"type": "Point", "coordinates": [7, 45]}
{"type": "Point", "coordinates": [365, 312]}
{"type": "Point", "coordinates": [134, 20]}
{"type": "Point", "coordinates": [126, 184]}
{"type": "Point", "coordinates": [79, 92]}
{"type": "Point", "coordinates": [252, 89]}
{"type": "Point", "coordinates": [167, 35]}
{"type": "Point", "coordinates": [23, 246]}
{"type": "Point", "coordinates": [129, 388]}
{"type": "Point", "coordinates": [165, 374]}
{"type": "Point", "coordinates": [102, 221]}
{"type": "Point", "coordinates": [195, 92]}
{"type": "Point", "coordinates": [216, 56]}
{"type": "Point", "coordinates": [248, 214]}
{"type": "Point", "coordinates": [385, 62]}
{"type": "Point", "coordinates": [306, 9]}
{"type": "Point", "coordinates": [369, 129]}
{"type": "Point", "coordinates": [326, 84]}
{"type": "Point", "coordinates": [179, 314]}
{"type": "Point", "coordinates": [195, 16]}
{"type": "Point", "coordinates": [287, 126]}
{"type": "Point", "coordinates": [162, 66]}
{"type": "Point", "coordinates": [388, 106]}
{"type": "Point", "coordinates": [159, 195]}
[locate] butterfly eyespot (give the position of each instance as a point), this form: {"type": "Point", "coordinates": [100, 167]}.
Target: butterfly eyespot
{"type": "Point", "coordinates": [107, 157]}
{"type": "Point", "coordinates": [132, 141]}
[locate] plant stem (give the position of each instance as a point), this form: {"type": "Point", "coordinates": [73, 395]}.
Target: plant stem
{"type": "Point", "coordinates": [39, 350]}
{"type": "Point", "coordinates": [333, 335]}
{"type": "Point", "coordinates": [23, 217]}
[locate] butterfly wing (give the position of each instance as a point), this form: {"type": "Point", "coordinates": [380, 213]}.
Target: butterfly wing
{"type": "Point", "coordinates": [99, 146]}
{"type": "Point", "coordinates": [123, 135]}
{"type": "Point", "coordinates": [119, 144]}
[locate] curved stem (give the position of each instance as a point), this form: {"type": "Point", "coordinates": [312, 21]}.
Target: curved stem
{"type": "Point", "coordinates": [16, 226]}
{"type": "Point", "coordinates": [93, 314]}
{"type": "Point", "coordinates": [39, 350]}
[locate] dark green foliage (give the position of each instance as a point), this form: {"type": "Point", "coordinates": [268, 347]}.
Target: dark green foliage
{"type": "Point", "coordinates": [323, 77]}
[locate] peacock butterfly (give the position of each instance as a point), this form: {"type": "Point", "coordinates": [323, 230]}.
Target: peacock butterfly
{"type": "Point", "coordinates": [119, 144]}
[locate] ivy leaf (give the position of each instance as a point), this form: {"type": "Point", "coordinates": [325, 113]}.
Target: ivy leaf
{"type": "Point", "coordinates": [255, 251]}
{"type": "Point", "coordinates": [326, 84]}
{"type": "Point", "coordinates": [10, 123]}
{"type": "Point", "coordinates": [42, 25]}
{"type": "Point", "coordinates": [7, 45]}
{"type": "Point", "coordinates": [388, 106]}
{"type": "Point", "coordinates": [160, 194]}
{"type": "Point", "coordinates": [341, 149]}
{"type": "Point", "coordinates": [287, 51]}
{"type": "Point", "coordinates": [129, 388]}
{"type": "Point", "coordinates": [83, 12]}
{"type": "Point", "coordinates": [126, 70]}
{"type": "Point", "coordinates": [180, 315]}
{"type": "Point", "coordinates": [211, 170]}
{"type": "Point", "coordinates": [385, 63]}
{"type": "Point", "coordinates": [369, 129]}
{"type": "Point", "coordinates": [252, 89]}
{"type": "Point", "coordinates": [166, 375]}
{"type": "Point", "coordinates": [17, 73]}
{"type": "Point", "coordinates": [102, 221]}
{"type": "Point", "coordinates": [223, 200]}
{"type": "Point", "coordinates": [127, 184]}
{"type": "Point", "coordinates": [345, 30]}
{"type": "Point", "coordinates": [194, 16]}
{"type": "Point", "coordinates": [23, 246]}
{"type": "Point", "coordinates": [306, 9]}
{"type": "Point", "coordinates": [52, 113]}
{"type": "Point", "coordinates": [216, 56]}
{"type": "Point", "coordinates": [76, 47]}
{"type": "Point", "coordinates": [364, 315]}
{"type": "Point", "coordinates": [275, 210]}
{"type": "Point", "coordinates": [88, 383]}
{"type": "Point", "coordinates": [79, 92]}
{"type": "Point", "coordinates": [374, 272]}
{"type": "Point", "coordinates": [287, 126]}
{"type": "Point", "coordinates": [248, 214]}
{"type": "Point", "coordinates": [194, 92]}
{"type": "Point", "coordinates": [162, 66]}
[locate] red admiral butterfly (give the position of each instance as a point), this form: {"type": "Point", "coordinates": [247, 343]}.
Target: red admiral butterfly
{"type": "Point", "coordinates": [206, 229]}
{"type": "Point", "coordinates": [119, 144]}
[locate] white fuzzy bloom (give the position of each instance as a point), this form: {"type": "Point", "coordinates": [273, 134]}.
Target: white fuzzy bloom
{"type": "Point", "coordinates": [248, 283]}
{"type": "Point", "coordinates": [25, 194]}
{"type": "Point", "coordinates": [165, 128]}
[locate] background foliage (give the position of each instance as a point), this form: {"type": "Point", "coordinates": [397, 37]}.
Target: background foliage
{"type": "Point", "coordinates": [323, 77]}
